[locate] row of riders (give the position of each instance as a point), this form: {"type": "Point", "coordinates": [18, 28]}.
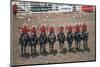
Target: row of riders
{"type": "Point", "coordinates": [74, 32]}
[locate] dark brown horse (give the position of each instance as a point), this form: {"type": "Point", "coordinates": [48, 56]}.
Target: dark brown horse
{"type": "Point", "coordinates": [51, 40]}
{"type": "Point", "coordinates": [33, 42]}
{"type": "Point", "coordinates": [42, 42]}
{"type": "Point", "coordinates": [61, 39]}
{"type": "Point", "coordinates": [24, 42]}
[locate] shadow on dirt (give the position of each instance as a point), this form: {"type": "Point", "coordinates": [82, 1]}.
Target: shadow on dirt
{"type": "Point", "coordinates": [26, 55]}
{"type": "Point", "coordinates": [54, 52]}
{"type": "Point", "coordinates": [35, 54]}
{"type": "Point", "coordinates": [64, 51]}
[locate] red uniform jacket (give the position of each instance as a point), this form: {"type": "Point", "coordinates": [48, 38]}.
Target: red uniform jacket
{"type": "Point", "coordinates": [42, 29]}
{"type": "Point", "coordinates": [51, 29]}
{"type": "Point", "coordinates": [84, 27]}
{"type": "Point", "coordinates": [69, 28]}
{"type": "Point", "coordinates": [77, 28]}
{"type": "Point", "coordinates": [61, 29]}
{"type": "Point", "coordinates": [24, 29]}
{"type": "Point", "coordinates": [33, 30]}
{"type": "Point", "coordinates": [14, 7]}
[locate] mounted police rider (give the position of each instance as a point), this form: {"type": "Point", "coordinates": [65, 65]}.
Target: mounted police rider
{"type": "Point", "coordinates": [51, 29]}
{"type": "Point", "coordinates": [85, 35]}
{"type": "Point", "coordinates": [61, 36]}
{"type": "Point", "coordinates": [51, 37]}
{"type": "Point", "coordinates": [69, 35]}
{"type": "Point", "coordinates": [24, 38]}
{"type": "Point", "coordinates": [77, 35]}
{"type": "Point", "coordinates": [43, 36]}
{"type": "Point", "coordinates": [23, 31]}
{"type": "Point", "coordinates": [33, 38]}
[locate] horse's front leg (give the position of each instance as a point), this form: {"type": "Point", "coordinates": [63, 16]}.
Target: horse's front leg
{"type": "Point", "coordinates": [76, 42]}
{"type": "Point", "coordinates": [52, 47]}
{"type": "Point", "coordinates": [60, 45]}
{"type": "Point", "coordinates": [85, 44]}
{"type": "Point", "coordinates": [44, 48]}
{"type": "Point", "coordinates": [22, 50]}
{"type": "Point", "coordinates": [40, 48]}
{"type": "Point", "coordinates": [69, 44]}
{"type": "Point", "coordinates": [34, 47]}
{"type": "Point", "coordinates": [31, 49]}
{"type": "Point", "coordinates": [79, 44]}
{"type": "Point", "coordinates": [25, 49]}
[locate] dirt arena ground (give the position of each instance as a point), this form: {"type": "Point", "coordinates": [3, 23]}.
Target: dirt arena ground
{"type": "Point", "coordinates": [56, 19]}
